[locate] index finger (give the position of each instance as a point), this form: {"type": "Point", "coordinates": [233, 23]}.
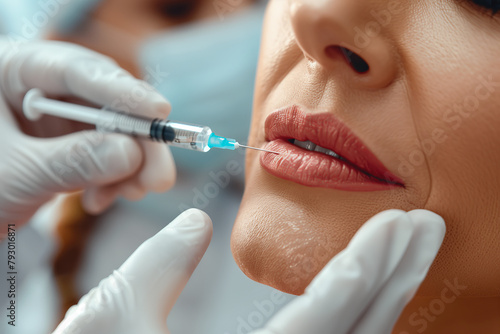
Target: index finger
{"type": "Point", "coordinates": [65, 69]}
{"type": "Point", "coordinates": [160, 268]}
{"type": "Point", "coordinates": [106, 84]}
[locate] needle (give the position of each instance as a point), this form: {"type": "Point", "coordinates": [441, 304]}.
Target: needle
{"type": "Point", "coordinates": [258, 149]}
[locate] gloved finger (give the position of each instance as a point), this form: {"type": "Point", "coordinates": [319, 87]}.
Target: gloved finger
{"type": "Point", "coordinates": [157, 174]}
{"type": "Point", "coordinates": [383, 312]}
{"type": "Point", "coordinates": [137, 297]}
{"type": "Point", "coordinates": [160, 268]}
{"type": "Point", "coordinates": [66, 69]}
{"type": "Point", "coordinates": [78, 160]}
{"type": "Point", "coordinates": [339, 294]}
{"type": "Point", "coordinates": [36, 169]}
{"type": "Point", "coordinates": [106, 84]}
{"type": "Point", "coordinates": [97, 199]}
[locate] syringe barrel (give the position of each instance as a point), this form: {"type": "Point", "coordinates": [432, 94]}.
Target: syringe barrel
{"type": "Point", "coordinates": [111, 121]}
{"type": "Point", "coordinates": [183, 135]}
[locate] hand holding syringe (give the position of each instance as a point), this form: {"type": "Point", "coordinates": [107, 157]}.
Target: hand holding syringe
{"type": "Point", "coordinates": [183, 135]}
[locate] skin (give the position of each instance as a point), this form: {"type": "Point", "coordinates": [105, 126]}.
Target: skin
{"type": "Point", "coordinates": [423, 109]}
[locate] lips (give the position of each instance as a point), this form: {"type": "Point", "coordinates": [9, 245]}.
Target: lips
{"type": "Point", "coordinates": [327, 155]}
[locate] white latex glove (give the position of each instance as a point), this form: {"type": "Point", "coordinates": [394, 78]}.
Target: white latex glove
{"type": "Point", "coordinates": [138, 297]}
{"type": "Point", "coordinates": [361, 290]}
{"type": "Point", "coordinates": [364, 289]}
{"type": "Point", "coordinates": [106, 165]}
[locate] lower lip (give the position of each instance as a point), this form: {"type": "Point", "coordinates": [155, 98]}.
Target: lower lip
{"type": "Point", "coordinates": [314, 169]}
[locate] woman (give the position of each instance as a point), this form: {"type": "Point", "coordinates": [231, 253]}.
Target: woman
{"type": "Point", "coordinates": [407, 94]}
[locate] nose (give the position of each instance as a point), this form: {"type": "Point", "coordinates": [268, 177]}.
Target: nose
{"type": "Point", "coordinates": [348, 35]}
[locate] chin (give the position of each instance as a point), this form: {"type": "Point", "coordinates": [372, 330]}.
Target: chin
{"type": "Point", "coordinates": [285, 232]}
{"type": "Point", "coordinates": [279, 250]}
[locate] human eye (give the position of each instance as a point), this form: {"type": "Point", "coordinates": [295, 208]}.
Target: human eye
{"type": "Point", "coordinates": [177, 9]}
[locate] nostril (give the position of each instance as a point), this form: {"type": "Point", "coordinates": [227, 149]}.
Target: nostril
{"type": "Point", "coordinates": [357, 63]}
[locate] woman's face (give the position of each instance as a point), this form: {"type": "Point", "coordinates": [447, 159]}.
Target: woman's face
{"type": "Point", "coordinates": [415, 121]}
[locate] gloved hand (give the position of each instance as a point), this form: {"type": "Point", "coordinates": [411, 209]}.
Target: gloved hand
{"type": "Point", "coordinates": [105, 165]}
{"type": "Point", "coordinates": [361, 290]}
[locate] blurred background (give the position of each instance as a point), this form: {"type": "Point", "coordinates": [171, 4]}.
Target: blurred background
{"type": "Point", "coordinates": [202, 55]}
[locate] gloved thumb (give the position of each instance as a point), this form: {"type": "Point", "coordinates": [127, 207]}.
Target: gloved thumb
{"type": "Point", "coordinates": [41, 167]}
{"type": "Point", "coordinates": [91, 158]}
{"type": "Point", "coordinates": [138, 297]}
{"type": "Point", "coordinates": [85, 158]}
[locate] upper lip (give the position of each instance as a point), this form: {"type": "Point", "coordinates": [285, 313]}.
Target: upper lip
{"type": "Point", "coordinates": [327, 131]}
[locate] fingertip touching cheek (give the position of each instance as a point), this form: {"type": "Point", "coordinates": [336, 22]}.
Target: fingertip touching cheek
{"type": "Point", "coordinates": [416, 86]}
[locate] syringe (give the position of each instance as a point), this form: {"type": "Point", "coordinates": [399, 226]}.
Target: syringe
{"type": "Point", "coordinates": [183, 135]}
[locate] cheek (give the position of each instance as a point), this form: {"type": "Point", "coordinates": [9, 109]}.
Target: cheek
{"type": "Point", "coordinates": [457, 120]}
{"type": "Point", "coordinates": [466, 184]}
{"type": "Point", "coordinates": [279, 51]}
